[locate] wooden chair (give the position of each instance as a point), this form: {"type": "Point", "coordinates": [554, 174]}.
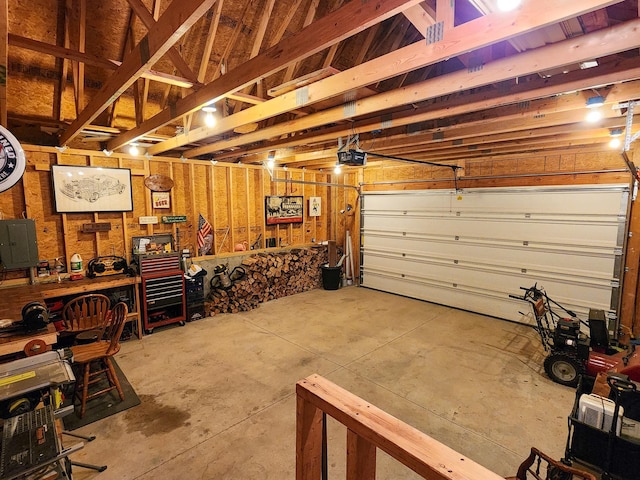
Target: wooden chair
{"type": "Point", "coordinates": [86, 316]}
{"type": "Point", "coordinates": [540, 466]}
{"type": "Point", "coordinates": [93, 360]}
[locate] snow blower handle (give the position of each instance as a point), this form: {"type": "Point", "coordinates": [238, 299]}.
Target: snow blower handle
{"type": "Point", "coordinates": [620, 383]}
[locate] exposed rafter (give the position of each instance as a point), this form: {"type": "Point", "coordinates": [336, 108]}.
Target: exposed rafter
{"type": "Point", "coordinates": [344, 22]}
{"type": "Point", "coordinates": [178, 17]}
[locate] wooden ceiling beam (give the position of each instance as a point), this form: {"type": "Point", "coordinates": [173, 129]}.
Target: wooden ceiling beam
{"type": "Point", "coordinates": [177, 19]}
{"type": "Point", "coordinates": [523, 91]}
{"type": "Point", "coordinates": [516, 93]}
{"type": "Point", "coordinates": [89, 59]}
{"type": "Point", "coordinates": [512, 116]}
{"type": "Point", "coordinates": [336, 26]}
{"type": "Point", "coordinates": [445, 13]}
{"type": "Point", "coordinates": [208, 46]}
{"type": "Point", "coordinates": [494, 134]}
{"type": "Point", "coordinates": [462, 38]}
{"type": "Point", "coordinates": [147, 19]}
{"type": "Point", "coordinates": [308, 19]}
{"type": "Point", "coordinates": [79, 15]}
{"type": "Point", "coordinates": [419, 18]}
{"type": "Point", "coordinates": [600, 43]}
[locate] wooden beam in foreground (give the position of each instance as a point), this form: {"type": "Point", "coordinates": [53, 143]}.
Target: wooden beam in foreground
{"type": "Point", "coordinates": [175, 21]}
{"type": "Point", "coordinates": [369, 426]}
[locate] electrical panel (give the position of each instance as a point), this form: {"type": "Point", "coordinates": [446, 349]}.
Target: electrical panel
{"type": "Point", "coordinates": [18, 244]}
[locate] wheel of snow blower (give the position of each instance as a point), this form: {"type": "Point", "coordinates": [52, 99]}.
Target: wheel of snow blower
{"type": "Point", "coordinates": [563, 369]}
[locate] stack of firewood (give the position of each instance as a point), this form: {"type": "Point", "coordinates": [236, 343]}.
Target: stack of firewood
{"type": "Point", "coordinates": [269, 276]}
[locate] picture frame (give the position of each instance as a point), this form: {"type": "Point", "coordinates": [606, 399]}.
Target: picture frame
{"type": "Point", "coordinates": [78, 189]}
{"type": "Point", "coordinates": [160, 200]}
{"type": "Point", "coordinates": [315, 206]}
{"type": "Point", "coordinates": [281, 209]}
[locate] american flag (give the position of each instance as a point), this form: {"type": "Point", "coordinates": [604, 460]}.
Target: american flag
{"type": "Point", "coordinates": [204, 235]}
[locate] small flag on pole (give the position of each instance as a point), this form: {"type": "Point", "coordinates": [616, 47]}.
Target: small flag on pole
{"type": "Point", "coordinates": [205, 236]}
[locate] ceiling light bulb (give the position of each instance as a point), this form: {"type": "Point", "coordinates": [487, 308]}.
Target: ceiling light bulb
{"type": "Point", "coordinates": [209, 120]}
{"type": "Point", "coordinates": [615, 142]}
{"type": "Point", "coordinates": [593, 116]}
{"type": "Point", "coordinates": [508, 5]}
{"type": "Point", "coordinates": [133, 149]}
{"type": "Point", "coordinates": [337, 169]}
{"type": "Point", "coordinates": [271, 162]}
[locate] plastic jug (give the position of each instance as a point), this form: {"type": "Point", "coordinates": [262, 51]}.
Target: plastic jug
{"type": "Point", "coordinates": [76, 263]}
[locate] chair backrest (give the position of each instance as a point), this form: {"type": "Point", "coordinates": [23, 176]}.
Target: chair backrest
{"type": "Point", "coordinates": [86, 312]}
{"type": "Point", "coordinates": [116, 326]}
{"type": "Point", "coordinates": [540, 466]}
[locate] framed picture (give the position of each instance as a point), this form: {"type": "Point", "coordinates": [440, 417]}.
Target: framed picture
{"type": "Point", "coordinates": [160, 199]}
{"type": "Point", "coordinates": [283, 209]}
{"type": "Point", "coordinates": [315, 206]}
{"type": "Point", "coordinates": [91, 189]}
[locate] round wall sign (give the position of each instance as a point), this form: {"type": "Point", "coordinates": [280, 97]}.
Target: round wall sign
{"type": "Point", "coordinates": [12, 160]}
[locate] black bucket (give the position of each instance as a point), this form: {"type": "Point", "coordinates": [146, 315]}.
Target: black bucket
{"type": "Point", "coordinates": [331, 277]}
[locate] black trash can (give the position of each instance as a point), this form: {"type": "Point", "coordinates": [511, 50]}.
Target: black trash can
{"type": "Point", "coordinates": [331, 277]}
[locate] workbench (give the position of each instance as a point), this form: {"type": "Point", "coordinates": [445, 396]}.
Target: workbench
{"type": "Point", "coordinates": [14, 298]}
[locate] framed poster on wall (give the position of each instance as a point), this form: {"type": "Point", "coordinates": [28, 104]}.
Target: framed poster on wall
{"type": "Point", "coordinates": [283, 209]}
{"type": "Point", "coordinates": [91, 189]}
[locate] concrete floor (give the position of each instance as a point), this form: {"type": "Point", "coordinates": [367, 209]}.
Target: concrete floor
{"type": "Point", "coordinates": [218, 395]}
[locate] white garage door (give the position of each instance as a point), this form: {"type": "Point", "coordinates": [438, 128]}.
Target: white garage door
{"type": "Point", "coordinates": [471, 249]}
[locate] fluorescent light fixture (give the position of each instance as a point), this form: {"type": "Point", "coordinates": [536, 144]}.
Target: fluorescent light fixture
{"type": "Point", "coordinates": [595, 102]}
{"type": "Point", "coordinates": [508, 5]}
{"type": "Point", "coordinates": [133, 149]}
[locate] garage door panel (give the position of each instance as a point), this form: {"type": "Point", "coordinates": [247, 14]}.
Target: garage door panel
{"type": "Point", "coordinates": [521, 200]}
{"type": "Point", "coordinates": [496, 280]}
{"type": "Point", "coordinates": [490, 300]}
{"type": "Point", "coordinates": [472, 253]}
{"type": "Point", "coordinates": [587, 233]}
{"type": "Point", "coordinates": [529, 257]}
{"type": "Point", "coordinates": [546, 264]}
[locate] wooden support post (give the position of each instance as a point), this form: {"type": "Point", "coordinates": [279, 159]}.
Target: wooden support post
{"type": "Point", "coordinates": [211, 199]}
{"type": "Point", "coordinates": [308, 440]}
{"type": "Point", "coordinates": [361, 458]}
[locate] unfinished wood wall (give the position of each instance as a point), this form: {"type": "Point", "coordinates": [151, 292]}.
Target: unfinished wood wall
{"type": "Point", "coordinates": [229, 196]}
